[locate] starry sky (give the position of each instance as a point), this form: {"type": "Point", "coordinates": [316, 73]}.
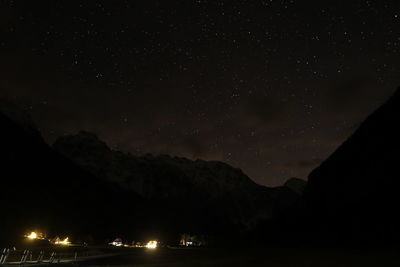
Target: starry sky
{"type": "Point", "coordinates": [271, 87]}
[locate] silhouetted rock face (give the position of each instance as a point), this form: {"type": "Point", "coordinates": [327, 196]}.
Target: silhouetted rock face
{"type": "Point", "coordinates": [41, 188]}
{"type": "Point", "coordinates": [296, 184]}
{"type": "Point", "coordinates": [357, 188]}
{"type": "Point", "coordinates": [19, 117]}
{"type": "Point", "coordinates": [95, 191]}
{"type": "Point", "coordinates": [171, 178]}
{"type": "Point", "coordinates": [161, 176]}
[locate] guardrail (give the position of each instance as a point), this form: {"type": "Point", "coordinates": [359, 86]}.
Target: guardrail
{"type": "Point", "coordinates": [25, 257]}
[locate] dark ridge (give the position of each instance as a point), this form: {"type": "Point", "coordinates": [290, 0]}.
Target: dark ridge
{"type": "Point", "coordinates": [355, 191]}
{"type": "Point", "coordinates": [41, 188]}
{"type": "Point", "coordinates": [90, 192]}
{"type": "Point", "coordinates": [213, 187]}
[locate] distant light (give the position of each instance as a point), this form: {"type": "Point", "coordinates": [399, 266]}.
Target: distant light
{"type": "Point", "coordinates": [35, 235]}
{"type": "Point", "coordinates": [62, 242]}
{"type": "Point", "coordinates": [32, 235]}
{"type": "Point", "coordinates": [117, 244]}
{"type": "Point", "coordinates": [152, 244]}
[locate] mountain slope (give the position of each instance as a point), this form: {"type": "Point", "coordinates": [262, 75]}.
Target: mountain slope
{"type": "Point", "coordinates": [40, 188]}
{"type": "Point", "coordinates": [355, 191]}
{"type": "Point", "coordinates": [102, 193]}
{"type": "Point", "coordinates": [197, 183]}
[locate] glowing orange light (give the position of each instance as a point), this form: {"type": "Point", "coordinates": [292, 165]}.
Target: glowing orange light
{"type": "Point", "coordinates": [152, 244]}
{"type": "Point", "coordinates": [32, 235]}
{"type": "Point", "coordinates": [62, 242]}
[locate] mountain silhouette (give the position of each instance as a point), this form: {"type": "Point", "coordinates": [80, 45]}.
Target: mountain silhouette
{"type": "Point", "coordinates": [214, 187]}
{"type": "Point", "coordinates": [81, 188]}
{"type": "Point", "coordinates": [354, 194]}
{"type": "Point", "coordinates": [40, 188]}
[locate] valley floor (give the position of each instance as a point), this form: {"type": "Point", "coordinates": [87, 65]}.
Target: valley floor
{"type": "Point", "coordinates": [272, 257]}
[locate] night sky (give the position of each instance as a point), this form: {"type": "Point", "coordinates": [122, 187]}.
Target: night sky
{"type": "Point", "coordinates": [271, 87]}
